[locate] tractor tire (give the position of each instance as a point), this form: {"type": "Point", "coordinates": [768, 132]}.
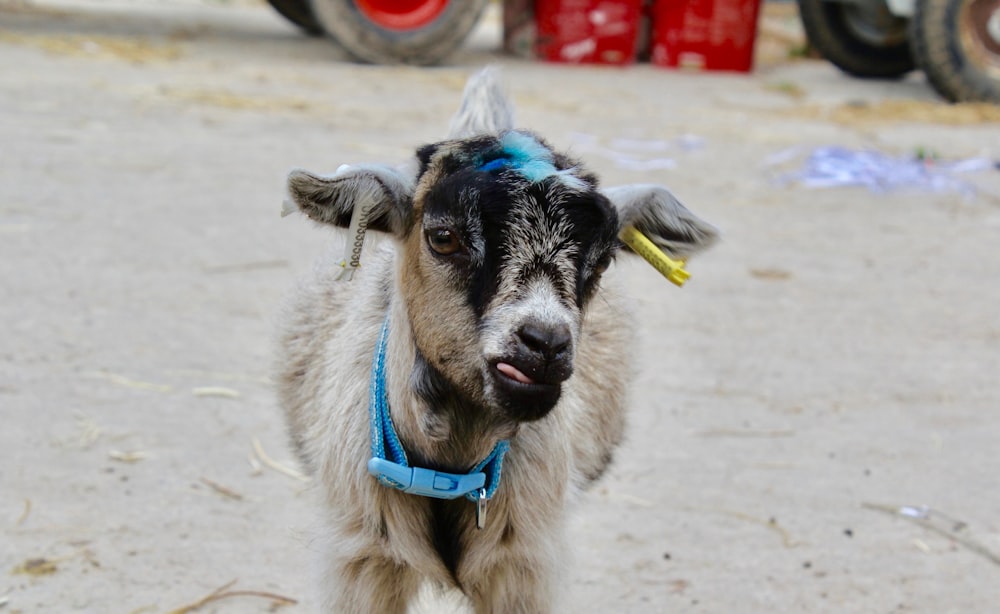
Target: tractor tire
{"type": "Point", "coordinates": [957, 44]}
{"type": "Point", "coordinates": [399, 31]}
{"type": "Point", "coordinates": [861, 38]}
{"type": "Point", "coordinates": [300, 13]}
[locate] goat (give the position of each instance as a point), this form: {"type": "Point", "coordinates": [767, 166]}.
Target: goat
{"type": "Point", "coordinates": [489, 342]}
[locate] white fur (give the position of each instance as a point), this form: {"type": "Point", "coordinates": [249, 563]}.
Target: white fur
{"type": "Point", "coordinates": [377, 544]}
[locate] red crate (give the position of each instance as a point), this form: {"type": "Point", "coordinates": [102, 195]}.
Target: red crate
{"type": "Point", "coordinates": [587, 31]}
{"type": "Point", "coordinates": [705, 34]}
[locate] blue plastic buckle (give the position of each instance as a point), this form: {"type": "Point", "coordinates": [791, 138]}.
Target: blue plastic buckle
{"type": "Point", "coordinates": [425, 482]}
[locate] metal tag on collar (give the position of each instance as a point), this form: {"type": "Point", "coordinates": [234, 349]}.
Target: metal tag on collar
{"type": "Point", "coordinates": [425, 482]}
{"type": "Point", "coordinates": [481, 509]}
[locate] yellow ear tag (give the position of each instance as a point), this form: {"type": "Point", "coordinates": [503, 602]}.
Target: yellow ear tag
{"type": "Point", "coordinates": [672, 269]}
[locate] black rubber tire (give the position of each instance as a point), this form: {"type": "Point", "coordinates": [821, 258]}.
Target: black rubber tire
{"type": "Point", "coordinates": [300, 13]}
{"type": "Point", "coordinates": [829, 28]}
{"type": "Point", "coordinates": [938, 46]}
{"type": "Point", "coordinates": [369, 42]}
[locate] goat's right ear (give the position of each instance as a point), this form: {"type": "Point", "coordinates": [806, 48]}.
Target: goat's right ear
{"type": "Point", "coordinates": [657, 213]}
{"type": "Point", "coordinates": [386, 193]}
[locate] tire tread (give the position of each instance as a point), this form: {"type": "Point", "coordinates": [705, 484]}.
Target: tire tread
{"type": "Point", "coordinates": [368, 42]}
{"type": "Point", "coordinates": [934, 38]}
{"type": "Point", "coordinates": [826, 30]}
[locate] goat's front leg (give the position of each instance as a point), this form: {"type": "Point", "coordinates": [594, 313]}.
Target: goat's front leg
{"type": "Point", "coordinates": [368, 584]}
{"type": "Point", "coordinates": [521, 586]}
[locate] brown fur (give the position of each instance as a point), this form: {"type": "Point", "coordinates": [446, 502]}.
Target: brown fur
{"type": "Point", "coordinates": [379, 544]}
{"type": "Point", "coordinates": [511, 565]}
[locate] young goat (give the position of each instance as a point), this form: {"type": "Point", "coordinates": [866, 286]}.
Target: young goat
{"type": "Point", "coordinates": [475, 353]}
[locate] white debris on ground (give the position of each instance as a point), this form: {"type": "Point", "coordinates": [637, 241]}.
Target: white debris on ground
{"type": "Point", "coordinates": [827, 167]}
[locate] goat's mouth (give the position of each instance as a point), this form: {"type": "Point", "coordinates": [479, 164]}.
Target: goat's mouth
{"type": "Point", "coordinates": [512, 372]}
{"type": "Point", "coordinates": [524, 396]}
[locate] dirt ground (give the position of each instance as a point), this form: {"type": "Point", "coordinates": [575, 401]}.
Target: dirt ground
{"type": "Point", "coordinates": [830, 368]}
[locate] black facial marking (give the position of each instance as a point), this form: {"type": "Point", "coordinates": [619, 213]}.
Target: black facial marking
{"type": "Point", "coordinates": [450, 197]}
{"type": "Point", "coordinates": [424, 155]}
{"type": "Point", "coordinates": [588, 223]}
{"type": "Point", "coordinates": [458, 200]}
{"type": "Point", "coordinates": [501, 196]}
{"type": "Point", "coordinates": [464, 153]}
{"type": "Point", "coordinates": [596, 228]}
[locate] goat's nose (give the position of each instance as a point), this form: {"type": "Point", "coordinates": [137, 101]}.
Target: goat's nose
{"type": "Point", "coordinates": [549, 340]}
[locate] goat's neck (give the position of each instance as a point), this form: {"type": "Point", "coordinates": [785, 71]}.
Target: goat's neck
{"type": "Point", "coordinates": [451, 432]}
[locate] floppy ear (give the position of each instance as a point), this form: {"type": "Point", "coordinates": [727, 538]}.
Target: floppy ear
{"type": "Point", "coordinates": [384, 192]}
{"type": "Point", "coordinates": [656, 213]}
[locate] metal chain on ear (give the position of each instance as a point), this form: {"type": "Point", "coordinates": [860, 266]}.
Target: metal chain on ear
{"type": "Point", "coordinates": [356, 239]}
{"type": "Point", "coordinates": [356, 235]}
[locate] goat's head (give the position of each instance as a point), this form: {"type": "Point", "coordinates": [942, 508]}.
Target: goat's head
{"type": "Point", "coordinates": [502, 244]}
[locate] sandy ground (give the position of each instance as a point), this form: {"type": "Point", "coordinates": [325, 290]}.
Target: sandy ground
{"type": "Point", "coordinates": [838, 351]}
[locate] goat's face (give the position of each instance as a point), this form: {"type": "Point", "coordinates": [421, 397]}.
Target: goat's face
{"type": "Point", "coordinates": [508, 244]}
{"type": "Point", "coordinates": [503, 243]}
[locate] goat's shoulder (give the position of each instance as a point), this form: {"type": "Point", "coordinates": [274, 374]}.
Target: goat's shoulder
{"type": "Point", "coordinates": [328, 334]}
{"type": "Point", "coordinates": [596, 400]}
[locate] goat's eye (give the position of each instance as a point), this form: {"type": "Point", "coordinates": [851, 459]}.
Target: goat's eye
{"type": "Point", "coordinates": [443, 241]}
{"type": "Point", "coordinates": [601, 266]}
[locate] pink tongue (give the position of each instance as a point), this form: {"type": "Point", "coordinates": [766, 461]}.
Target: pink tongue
{"type": "Point", "coordinates": [513, 373]}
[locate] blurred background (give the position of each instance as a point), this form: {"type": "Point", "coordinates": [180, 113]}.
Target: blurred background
{"type": "Point", "coordinates": [814, 418]}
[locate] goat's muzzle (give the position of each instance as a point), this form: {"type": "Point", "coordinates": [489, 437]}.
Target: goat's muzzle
{"type": "Point", "coordinates": [530, 377]}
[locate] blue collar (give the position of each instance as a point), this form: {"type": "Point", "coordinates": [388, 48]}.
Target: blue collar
{"type": "Point", "coordinates": [389, 465]}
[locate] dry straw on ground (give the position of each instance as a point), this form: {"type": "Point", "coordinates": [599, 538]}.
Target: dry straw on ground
{"type": "Point", "coordinates": [223, 592]}
{"type": "Point", "coordinates": [915, 111]}
{"type": "Point", "coordinates": [136, 50]}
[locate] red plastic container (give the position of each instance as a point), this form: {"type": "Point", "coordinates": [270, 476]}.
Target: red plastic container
{"type": "Point", "coordinates": [587, 31]}
{"type": "Point", "coordinates": [705, 34]}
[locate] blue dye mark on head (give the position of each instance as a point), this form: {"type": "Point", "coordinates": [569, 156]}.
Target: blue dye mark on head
{"type": "Point", "coordinates": [496, 164]}
{"type": "Point", "coordinates": [530, 159]}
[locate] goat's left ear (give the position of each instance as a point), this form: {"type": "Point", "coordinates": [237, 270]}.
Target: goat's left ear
{"type": "Point", "coordinates": [656, 213]}
{"type": "Point", "coordinates": [386, 193]}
